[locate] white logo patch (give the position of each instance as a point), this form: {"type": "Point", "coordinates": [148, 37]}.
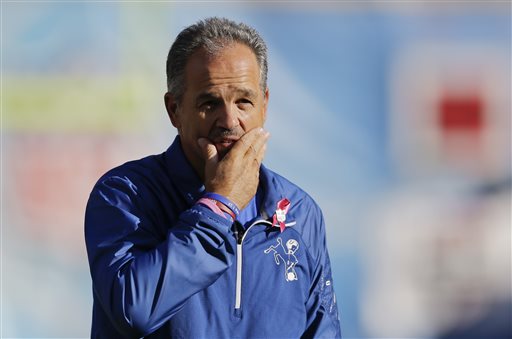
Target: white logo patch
{"type": "Point", "coordinates": [286, 256]}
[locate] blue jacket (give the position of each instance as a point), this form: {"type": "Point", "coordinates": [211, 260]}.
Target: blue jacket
{"type": "Point", "coordinates": [163, 266]}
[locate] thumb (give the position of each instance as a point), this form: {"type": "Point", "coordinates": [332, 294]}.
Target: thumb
{"type": "Point", "coordinates": [209, 151]}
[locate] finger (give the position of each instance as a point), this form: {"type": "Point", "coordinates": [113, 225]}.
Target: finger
{"type": "Point", "coordinates": [257, 144]}
{"type": "Point", "coordinates": [261, 154]}
{"type": "Point", "coordinates": [209, 150]}
{"type": "Point", "coordinates": [257, 159]}
{"type": "Point", "coordinates": [245, 142]}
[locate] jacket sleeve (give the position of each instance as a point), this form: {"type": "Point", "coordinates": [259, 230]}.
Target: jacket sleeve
{"type": "Point", "coordinates": [322, 310]}
{"type": "Point", "coordinates": [141, 280]}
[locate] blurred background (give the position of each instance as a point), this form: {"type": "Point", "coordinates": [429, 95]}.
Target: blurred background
{"type": "Point", "coordinates": [394, 116]}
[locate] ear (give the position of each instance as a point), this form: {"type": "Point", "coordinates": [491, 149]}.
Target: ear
{"type": "Point", "coordinates": [171, 105]}
{"type": "Point", "coordinates": [265, 104]}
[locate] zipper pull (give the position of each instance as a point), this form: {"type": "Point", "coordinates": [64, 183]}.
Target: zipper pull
{"type": "Point", "coordinates": [239, 232]}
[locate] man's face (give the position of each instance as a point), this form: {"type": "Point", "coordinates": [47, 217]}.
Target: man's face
{"type": "Point", "coordinates": [222, 101]}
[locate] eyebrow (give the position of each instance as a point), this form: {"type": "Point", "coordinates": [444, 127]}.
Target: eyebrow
{"type": "Point", "coordinates": [245, 92]}
{"type": "Point", "coordinates": [206, 96]}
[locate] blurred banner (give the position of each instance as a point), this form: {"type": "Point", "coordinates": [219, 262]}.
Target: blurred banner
{"type": "Point", "coordinates": [394, 116]}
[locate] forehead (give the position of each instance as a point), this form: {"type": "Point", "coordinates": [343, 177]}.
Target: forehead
{"type": "Point", "coordinates": [234, 65]}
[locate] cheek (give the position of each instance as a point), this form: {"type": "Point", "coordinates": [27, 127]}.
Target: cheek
{"type": "Point", "coordinates": [196, 125]}
{"type": "Point", "coordinates": [258, 118]}
{"type": "Point", "coordinates": [251, 122]}
{"type": "Point", "coordinates": [261, 113]}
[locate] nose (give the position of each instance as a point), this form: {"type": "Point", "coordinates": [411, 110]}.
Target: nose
{"type": "Point", "coordinates": [227, 116]}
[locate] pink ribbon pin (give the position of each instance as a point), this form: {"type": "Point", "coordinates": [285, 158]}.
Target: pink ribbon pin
{"type": "Point", "coordinates": [280, 216]}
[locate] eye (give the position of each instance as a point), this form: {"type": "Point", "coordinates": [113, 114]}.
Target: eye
{"type": "Point", "coordinates": [244, 104]}
{"type": "Point", "coordinates": [208, 105]}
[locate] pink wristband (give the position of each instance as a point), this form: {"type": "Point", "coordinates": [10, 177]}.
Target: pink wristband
{"type": "Point", "coordinates": [211, 205]}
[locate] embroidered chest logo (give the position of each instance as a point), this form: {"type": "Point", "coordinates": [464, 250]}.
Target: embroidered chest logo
{"type": "Point", "coordinates": [286, 256]}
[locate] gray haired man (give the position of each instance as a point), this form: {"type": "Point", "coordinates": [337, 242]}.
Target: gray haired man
{"type": "Point", "coordinates": [178, 242]}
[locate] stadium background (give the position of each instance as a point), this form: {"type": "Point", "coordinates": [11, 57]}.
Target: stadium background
{"type": "Point", "coordinates": [393, 115]}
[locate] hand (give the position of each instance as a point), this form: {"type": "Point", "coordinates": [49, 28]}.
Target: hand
{"type": "Point", "coordinates": [236, 176]}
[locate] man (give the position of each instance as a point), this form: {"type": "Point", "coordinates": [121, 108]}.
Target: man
{"type": "Point", "coordinates": [203, 241]}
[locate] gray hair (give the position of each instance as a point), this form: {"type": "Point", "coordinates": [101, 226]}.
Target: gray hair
{"type": "Point", "coordinates": [212, 34]}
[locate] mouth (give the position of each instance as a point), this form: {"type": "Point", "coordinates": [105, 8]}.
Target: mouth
{"type": "Point", "coordinates": [224, 143]}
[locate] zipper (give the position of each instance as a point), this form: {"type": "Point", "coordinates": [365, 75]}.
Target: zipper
{"type": "Point", "coordinates": [240, 235]}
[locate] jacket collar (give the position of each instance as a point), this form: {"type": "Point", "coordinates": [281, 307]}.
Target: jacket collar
{"type": "Point", "coordinates": [271, 192]}
{"type": "Point", "coordinates": [182, 173]}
